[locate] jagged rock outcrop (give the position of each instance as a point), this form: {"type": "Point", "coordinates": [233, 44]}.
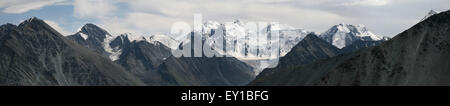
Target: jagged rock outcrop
{"type": "Point", "coordinates": [33, 53]}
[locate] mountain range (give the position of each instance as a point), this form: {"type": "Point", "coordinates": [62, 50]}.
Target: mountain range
{"type": "Point", "coordinates": [341, 36]}
{"type": "Point", "coordinates": [234, 31]}
{"type": "Point", "coordinates": [417, 56]}
{"type": "Point", "coordinates": [149, 59]}
{"type": "Point", "coordinates": [33, 53]}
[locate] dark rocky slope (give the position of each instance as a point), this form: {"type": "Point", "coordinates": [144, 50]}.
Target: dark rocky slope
{"type": "Point", "coordinates": [92, 37]}
{"type": "Point", "coordinates": [33, 53]}
{"type": "Point", "coordinates": [310, 49]}
{"type": "Point", "coordinates": [143, 59]}
{"type": "Point", "coordinates": [201, 71]}
{"type": "Point", "coordinates": [417, 56]}
{"type": "Point", "coordinates": [359, 44]}
{"type": "Point", "coordinates": [217, 71]}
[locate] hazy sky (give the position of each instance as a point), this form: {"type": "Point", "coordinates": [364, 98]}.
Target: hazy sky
{"type": "Point", "coordinates": [382, 17]}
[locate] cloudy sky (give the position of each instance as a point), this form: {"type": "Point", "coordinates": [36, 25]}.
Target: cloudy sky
{"type": "Point", "coordinates": [382, 17]}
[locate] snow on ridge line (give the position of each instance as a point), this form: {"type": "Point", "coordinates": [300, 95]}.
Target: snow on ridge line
{"type": "Point", "coordinates": [131, 37]}
{"type": "Point", "coordinates": [164, 39]}
{"type": "Point", "coordinates": [114, 52]}
{"type": "Point", "coordinates": [289, 34]}
{"type": "Point", "coordinates": [84, 36]}
{"type": "Point", "coordinates": [342, 35]}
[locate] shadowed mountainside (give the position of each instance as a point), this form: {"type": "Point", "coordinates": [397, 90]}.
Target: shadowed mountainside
{"type": "Point", "coordinates": [417, 56]}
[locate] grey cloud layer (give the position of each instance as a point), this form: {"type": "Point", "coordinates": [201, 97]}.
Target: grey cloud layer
{"type": "Point", "coordinates": [385, 17]}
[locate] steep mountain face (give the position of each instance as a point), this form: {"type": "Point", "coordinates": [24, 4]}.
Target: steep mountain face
{"type": "Point", "coordinates": [92, 37]}
{"type": "Point", "coordinates": [237, 32]}
{"type": "Point", "coordinates": [343, 35]}
{"type": "Point", "coordinates": [117, 45]}
{"type": "Point", "coordinates": [359, 44]}
{"type": "Point", "coordinates": [289, 38]}
{"type": "Point", "coordinates": [143, 58]}
{"type": "Point", "coordinates": [33, 53]}
{"type": "Point", "coordinates": [201, 71]}
{"type": "Point", "coordinates": [417, 56]}
{"type": "Point", "coordinates": [310, 49]}
{"type": "Point", "coordinates": [138, 55]}
{"type": "Point", "coordinates": [99, 40]}
{"type": "Point", "coordinates": [149, 59]}
{"type": "Point", "coordinates": [164, 39]}
{"type": "Point", "coordinates": [217, 71]}
{"type": "Point", "coordinates": [136, 50]}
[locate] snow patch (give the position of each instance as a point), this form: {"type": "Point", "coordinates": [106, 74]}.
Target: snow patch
{"type": "Point", "coordinates": [132, 37]}
{"type": "Point", "coordinates": [165, 40]}
{"type": "Point", "coordinates": [84, 36]}
{"type": "Point", "coordinates": [114, 52]}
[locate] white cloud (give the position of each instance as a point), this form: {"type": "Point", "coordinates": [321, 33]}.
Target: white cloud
{"type": "Point", "coordinates": [57, 27]}
{"type": "Point", "coordinates": [139, 23]}
{"type": "Point", "coordinates": [366, 3]}
{"type": "Point", "coordinates": [387, 17]}
{"type": "Point", "coordinates": [154, 16]}
{"type": "Point", "coordinates": [93, 8]}
{"type": "Point", "coordinates": [21, 6]}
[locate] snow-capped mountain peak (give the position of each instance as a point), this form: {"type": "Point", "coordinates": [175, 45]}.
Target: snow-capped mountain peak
{"type": "Point", "coordinates": [165, 39]}
{"type": "Point", "coordinates": [342, 35]}
{"type": "Point", "coordinates": [277, 26]}
{"type": "Point", "coordinates": [289, 38]}
{"type": "Point", "coordinates": [234, 30]}
{"type": "Point", "coordinates": [210, 25]}
{"type": "Point", "coordinates": [131, 37]}
{"type": "Point", "coordinates": [90, 30]}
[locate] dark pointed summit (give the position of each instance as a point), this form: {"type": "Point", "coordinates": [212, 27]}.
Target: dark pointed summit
{"type": "Point", "coordinates": [93, 37]}
{"type": "Point", "coordinates": [95, 31]}
{"type": "Point", "coordinates": [36, 24]}
{"type": "Point", "coordinates": [35, 54]}
{"type": "Point", "coordinates": [33, 20]}
{"type": "Point", "coordinates": [310, 49]}
{"type": "Point", "coordinates": [91, 27]}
